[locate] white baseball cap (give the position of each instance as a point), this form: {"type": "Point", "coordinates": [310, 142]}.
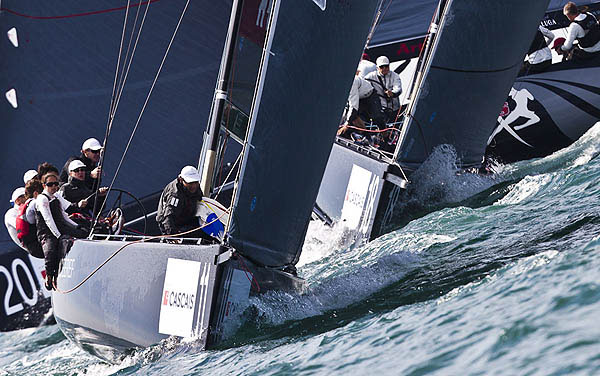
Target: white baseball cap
{"type": "Point", "coordinates": [189, 174]}
{"type": "Point", "coordinates": [17, 193]}
{"type": "Point", "coordinates": [92, 144]}
{"type": "Point", "coordinates": [30, 174]}
{"type": "Point", "coordinates": [382, 60]}
{"type": "Point", "coordinates": [75, 164]}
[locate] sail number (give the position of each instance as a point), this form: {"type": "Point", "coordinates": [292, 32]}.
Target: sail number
{"type": "Point", "coordinates": [16, 264]}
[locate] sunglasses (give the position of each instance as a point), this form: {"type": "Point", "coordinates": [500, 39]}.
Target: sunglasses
{"type": "Point", "coordinates": [51, 184]}
{"type": "Point", "coordinates": [95, 151]}
{"type": "Point", "coordinates": [81, 169]}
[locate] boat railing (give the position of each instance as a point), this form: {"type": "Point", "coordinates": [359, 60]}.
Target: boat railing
{"type": "Point", "coordinates": [150, 239]}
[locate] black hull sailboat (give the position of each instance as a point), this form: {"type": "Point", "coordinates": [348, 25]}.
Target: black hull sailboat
{"type": "Point", "coordinates": [459, 85]}
{"type": "Point", "coordinates": [543, 113]}
{"type": "Point", "coordinates": [119, 293]}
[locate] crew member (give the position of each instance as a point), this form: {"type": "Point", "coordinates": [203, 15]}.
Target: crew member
{"type": "Point", "coordinates": [178, 205]}
{"type": "Point", "coordinates": [90, 155]}
{"type": "Point", "coordinates": [388, 87]}
{"type": "Point", "coordinates": [360, 91]}
{"type": "Point", "coordinates": [585, 29]}
{"type": "Point", "coordinates": [54, 227]}
{"type": "Point", "coordinates": [366, 66]}
{"type": "Point", "coordinates": [26, 221]}
{"type": "Point", "coordinates": [77, 192]}
{"type": "Point", "coordinates": [10, 217]}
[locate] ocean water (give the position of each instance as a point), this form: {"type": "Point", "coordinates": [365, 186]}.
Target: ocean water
{"type": "Point", "coordinates": [501, 277]}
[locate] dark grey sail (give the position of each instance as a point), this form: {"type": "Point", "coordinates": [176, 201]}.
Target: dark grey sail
{"type": "Point", "coordinates": [467, 57]}
{"type": "Point", "coordinates": [296, 111]}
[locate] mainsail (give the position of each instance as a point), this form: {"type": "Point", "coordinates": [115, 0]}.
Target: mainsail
{"type": "Point", "coordinates": [476, 48]}
{"type": "Point", "coordinates": [63, 70]}
{"type": "Point", "coordinates": [296, 109]}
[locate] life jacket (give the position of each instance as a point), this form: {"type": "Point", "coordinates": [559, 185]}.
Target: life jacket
{"type": "Point", "coordinates": [56, 210]}
{"type": "Point", "coordinates": [538, 43]}
{"type": "Point", "coordinates": [22, 225]}
{"type": "Point", "coordinates": [589, 24]}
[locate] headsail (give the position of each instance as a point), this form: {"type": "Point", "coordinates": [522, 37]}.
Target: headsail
{"type": "Point", "coordinates": [460, 61]}
{"type": "Point", "coordinates": [310, 58]}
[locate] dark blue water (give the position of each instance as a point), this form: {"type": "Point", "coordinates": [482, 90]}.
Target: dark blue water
{"type": "Point", "coordinates": [504, 280]}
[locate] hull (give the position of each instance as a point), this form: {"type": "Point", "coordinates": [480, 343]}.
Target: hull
{"type": "Point", "coordinates": [25, 302]}
{"type": "Point", "coordinates": [360, 191]}
{"type": "Point", "coordinates": [548, 111]}
{"type": "Point", "coordinates": [151, 291]}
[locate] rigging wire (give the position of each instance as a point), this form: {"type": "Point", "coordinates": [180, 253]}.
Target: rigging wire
{"type": "Point", "coordinates": [121, 83]}
{"type": "Point", "coordinates": [229, 174]}
{"type": "Point", "coordinates": [112, 102]}
{"type": "Point", "coordinates": [143, 109]}
{"type": "Point", "coordinates": [115, 104]}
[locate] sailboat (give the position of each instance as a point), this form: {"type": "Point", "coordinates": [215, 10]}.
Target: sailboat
{"type": "Point", "coordinates": [460, 82]}
{"type": "Point", "coordinates": [58, 77]}
{"type": "Point", "coordinates": [543, 112]}
{"type": "Point", "coordinates": [285, 64]}
{"type": "Point", "coordinates": [548, 111]}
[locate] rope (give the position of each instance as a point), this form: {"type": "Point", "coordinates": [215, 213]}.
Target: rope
{"type": "Point", "coordinates": [372, 131]}
{"type": "Point", "coordinates": [229, 174]}
{"type": "Point", "coordinates": [115, 104]}
{"type": "Point", "coordinates": [143, 107]}
{"type": "Point", "coordinates": [128, 244]}
{"type": "Point", "coordinates": [247, 271]}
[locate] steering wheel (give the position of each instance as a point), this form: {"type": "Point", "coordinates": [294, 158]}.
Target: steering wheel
{"type": "Point", "coordinates": [118, 205]}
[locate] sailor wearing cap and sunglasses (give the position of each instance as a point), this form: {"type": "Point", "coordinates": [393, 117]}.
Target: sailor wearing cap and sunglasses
{"type": "Point", "coordinates": [90, 155]}
{"type": "Point", "coordinates": [178, 205]}
{"type": "Point", "coordinates": [76, 190]}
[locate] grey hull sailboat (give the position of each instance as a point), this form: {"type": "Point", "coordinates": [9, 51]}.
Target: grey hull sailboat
{"type": "Point", "coordinates": [459, 85]}
{"type": "Point", "coordinates": [122, 293]}
{"type": "Point", "coordinates": [58, 70]}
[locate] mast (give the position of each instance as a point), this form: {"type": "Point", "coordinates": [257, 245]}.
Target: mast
{"type": "Point", "coordinates": [220, 98]}
{"type": "Point", "coordinates": [421, 71]}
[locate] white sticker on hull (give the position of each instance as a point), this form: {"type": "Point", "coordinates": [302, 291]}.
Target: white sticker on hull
{"type": "Point", "coordinates": [178, 299]}
{"type": "Point", "coordinates": [356, 194]}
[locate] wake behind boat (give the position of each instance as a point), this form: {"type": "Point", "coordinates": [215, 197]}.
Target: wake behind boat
{"type": "Point", "coordinates": [118, 293]}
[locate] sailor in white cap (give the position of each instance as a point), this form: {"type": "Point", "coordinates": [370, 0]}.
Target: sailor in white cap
{"type": "Point", "coordinates": [76, 191]}
{"type": "Point", "coordinates": [388, 86]}
{"type": "Point", "coordinates": [178, 203]}
{"type": "Point", "coordinates": [28, 175]}
{"type": "Point", "coordinates": [90, 156]}
{"type": "Point", "coordinates": [10, 217]}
